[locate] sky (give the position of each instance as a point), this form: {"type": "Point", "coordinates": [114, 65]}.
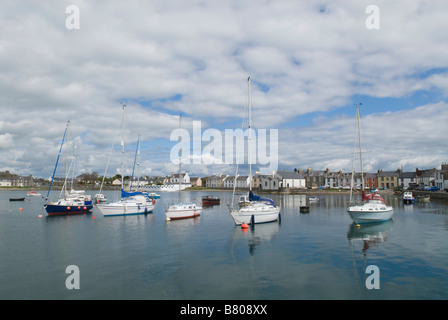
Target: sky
{"type": "Point", "coordinates": [309, 62]}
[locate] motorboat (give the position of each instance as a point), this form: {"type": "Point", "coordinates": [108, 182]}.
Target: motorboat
{"type": "Point", "coordinates": [154, 195]}
{"type": "Point", "coordinates": [182, 211]}
{"type": "Point", "coordinates": [99, 197]}
{"type": "Point", "coordinates": [408, 198]}
{"type": "Point", "coordinates": [210, 200]}
{"type": "Point", "coordinates": [33, 194]}
{"type": "Point", "coordinates": [423, 198]}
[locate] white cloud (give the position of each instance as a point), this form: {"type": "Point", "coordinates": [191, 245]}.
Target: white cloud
{"type": "Point", "coordinates": [409, 138]}
{"type": "Point", "coordinates": [194, 57]}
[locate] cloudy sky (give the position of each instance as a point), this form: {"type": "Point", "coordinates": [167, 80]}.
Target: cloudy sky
{"type": "Point", "coordinates": [309, 61]}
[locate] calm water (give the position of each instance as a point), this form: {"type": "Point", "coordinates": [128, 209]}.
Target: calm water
{"type": "Point", "coordinates": [319, 255]}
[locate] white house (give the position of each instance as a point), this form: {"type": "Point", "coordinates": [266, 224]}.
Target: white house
{"type": "Point", "coordinates": [439, 180]}
{"type": "Point", "coordinates": [184, 178]}
{"type": "Point", "coordinates": [215, 181]}
{"type": "Point", "coordinates": [271, 182]}
{"type": "Point", "coordinates": [228, 182]}
{"type": "Point", "coordinates": [242, 182]}
{"type": "Point", "coordinates": [332, 179]}
{"type": "Point", "coordinates": [5, 183]}
{"type": "Point", "coordinates": [407, 178]}
{"type": "Point", "coordinates": [116, 182]}
{"type": "Point", "coordinates": [290, 179]}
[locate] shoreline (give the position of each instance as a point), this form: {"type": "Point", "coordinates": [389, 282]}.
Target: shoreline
{"type": "Point", "coordinates": [434, 194]}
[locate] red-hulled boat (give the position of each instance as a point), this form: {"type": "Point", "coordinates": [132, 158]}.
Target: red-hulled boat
{"type": "Point", "coordinates": [210, 200]}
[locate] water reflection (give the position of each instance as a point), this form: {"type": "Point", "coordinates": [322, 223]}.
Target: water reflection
{"type": "Point", "coordinates": [256, 235]}
{"type": "Point", "coordinates": [370, 234]}
{"type": "Point", "coordinates": [181, 226]}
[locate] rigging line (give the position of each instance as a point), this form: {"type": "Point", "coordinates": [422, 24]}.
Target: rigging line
{"type": "Point", "coordinates": [110, 155]}
{"type": "Point", "coordinates": [236, 150]}
{"type": "Point", "coordinates": [57, 160]}
{"type": "Point", "coordinates": [353, 163]}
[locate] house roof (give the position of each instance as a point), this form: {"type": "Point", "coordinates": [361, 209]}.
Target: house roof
{"type": "Point", "coordinates": [408, 175]}
{"type": "Point", "coordinates": [289, 175]}
{"type": "Point", "coordinates": [388, 174]}
{"type": "Point", "coordinates": [176, 175]}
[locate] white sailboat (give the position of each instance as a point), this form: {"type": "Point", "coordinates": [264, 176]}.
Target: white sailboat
{"type": "Point", "coordinates": [131, 203]}
{"type": "Point", "coordinates": [255, 208]}
{"type": "Point", "coordinates": [373, 207]}
{"type": "Point", "coordinates": [182, 210]}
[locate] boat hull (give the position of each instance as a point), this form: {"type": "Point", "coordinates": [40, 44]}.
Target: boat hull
{"type": "Point", "coordinates": [364, 214]}
{"type": "Point", "coordinates": [246, 215]}
{"type": "Point", "coordinates": [123, 209]}
{"type": "Point", "coordinates": [210, 202]}
{"type": "Point", "coordinates": [182, 211]}
{"type": "Point", "coordinates": [64, 209]}
{"type": "Point", "coordinates": [16, 199]}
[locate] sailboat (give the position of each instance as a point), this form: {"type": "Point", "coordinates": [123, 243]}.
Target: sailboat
{"type": "Point", "coordinates": [131, 203]}
{"type": "Point", "coordinates": [253, 209]}
{"type": "Point", "coordinates": [73, 201]}
{"type": "Point", "coordinates": [373, 207]}
{"type": "Point", "coordinates": [182, 210]}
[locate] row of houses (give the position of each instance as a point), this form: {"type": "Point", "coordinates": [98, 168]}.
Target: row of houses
{"type": "Point", "coordinates": [8, 179]}
{"type": "Point", "coordinates": [174, 179]}
{"type": "Point", "coordinates": [278, 180]}
{"type": "Point", "coordinates": [299, 179]}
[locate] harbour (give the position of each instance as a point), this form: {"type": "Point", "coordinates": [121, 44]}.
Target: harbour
{"type": "Point", "coordinates": [317, 255]}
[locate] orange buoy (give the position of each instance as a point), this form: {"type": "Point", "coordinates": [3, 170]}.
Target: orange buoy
{"type": "Point", "coordinates": [244, 226]}
{"type": "Point", "coordinates": [68, 208]}
{"type": "Point", "coordinates": [20, 209]}
{"type": "Point", "coordinates": [79, 207]}
{"type": "Point", "coordinates": [39, 216]}
{"type": "Point", "coordinates": [85, 208]}
{"type": "Point", "coordinates": [93, 217]}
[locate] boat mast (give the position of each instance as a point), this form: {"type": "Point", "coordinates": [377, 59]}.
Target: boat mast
{"type": "Point", "coordinates": [249, 141]}
{"type": "Point", "coordinates": [180, 154]}
{"type": "Point", "coordinates": [57, 160]}
{"type": "Point", "coordinates": [360, 152]}
{"type": "Point", "coordinates": [64, 187]}
{"type": "Point", "coordinates": [122, 146]}
{"type": "Point", "coordinates": [136, 160]}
